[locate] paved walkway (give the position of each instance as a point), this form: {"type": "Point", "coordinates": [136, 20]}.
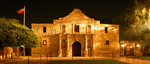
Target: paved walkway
{"type": "Point", "coordinates": [133, 61]}
{"type": "Point", "coordinates": [47, 59]}
{"type": "Point", "coordinates": [122, 59]}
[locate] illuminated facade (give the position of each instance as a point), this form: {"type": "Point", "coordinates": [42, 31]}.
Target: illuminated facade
{"type": "Point", "coordinates": [76, 35]}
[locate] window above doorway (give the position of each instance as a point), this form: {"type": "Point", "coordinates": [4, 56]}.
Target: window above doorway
{"type": "Point", "coordinates": [63, 28]}
{"type": "Point", "coordinates": [89, 29]}
{"type": "Point", "coordinates": [76, 28]}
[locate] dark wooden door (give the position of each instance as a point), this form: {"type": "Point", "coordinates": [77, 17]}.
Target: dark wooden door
{"type": "Point", "coordinates": [76, 49]}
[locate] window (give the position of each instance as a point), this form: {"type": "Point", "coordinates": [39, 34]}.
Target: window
{"type": "Point", "coordinates": [76, 28]}
{"type": "Point", "coordinates": [44, 42]}
{"type": "Point", "coordinates": [63, 28]}
{"type": "Point", "coordinates": [107, 42]}
{"type": "Point", "coordinates": [89, 29]}
{"type": "Point", "coordinates": [106, 29]}
{"type": "Point", "coordinates": [44, 29]}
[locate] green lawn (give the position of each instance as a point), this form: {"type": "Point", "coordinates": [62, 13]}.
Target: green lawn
{"type": "Point", "coordinates": [87, 62]}
{"type": "Point", "coordinates": [143, 57]}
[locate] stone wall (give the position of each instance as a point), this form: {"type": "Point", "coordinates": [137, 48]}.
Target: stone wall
{"type": "Point", "coordinates": [50, 49]}
{"type": "Point", "coordinates": [100, 38]}
{"type": "Point", "coordinates": [8, 51]}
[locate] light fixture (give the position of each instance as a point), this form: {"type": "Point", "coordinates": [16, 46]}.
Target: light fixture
{"type": "Point", "coordinates": [122, 45]}
{"type": "Point", "coordinates": [22, 45]}
{"type": "Point", "coordinates": [137, 45]}
{"type": "Point", "coordinates": [130, 46]}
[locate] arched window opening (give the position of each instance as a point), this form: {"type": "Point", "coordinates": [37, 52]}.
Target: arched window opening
{"type": "Point", "coordinates": [89, 29]}
{"type": "Point", "coordinates": [63, 28]}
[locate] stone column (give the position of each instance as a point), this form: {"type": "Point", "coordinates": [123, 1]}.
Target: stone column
{"type": "Point", "coordinates": [86, 49]}
{"type": "Point", "coordinates": [60, 50]}
{"type": "Point", "coordinates": [93, 49]}
{"type": "Point", "coordinates": [86, 29]}
{"type": "Point", "coordinates": [61, 29]}
{"type": "Point", "coordinates": [72, 29]}
{"type": "Point", "coordinates": [67, 51]}
{"type": "Point", "coordinates": [123, 51]}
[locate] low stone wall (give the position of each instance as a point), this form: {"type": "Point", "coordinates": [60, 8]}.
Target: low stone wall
{"type": "Point", "coordinates": [107, 54]}
{"type": "Point", "coordinates": [45, 55]}
{"type": "Point", "coordinates": [6, 52]}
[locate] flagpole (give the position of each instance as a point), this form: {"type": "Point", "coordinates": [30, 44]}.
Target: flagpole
{"type": "Point", "coordinates": [24, 16]}
{"type": "Point", "coordinates": [24, 23]}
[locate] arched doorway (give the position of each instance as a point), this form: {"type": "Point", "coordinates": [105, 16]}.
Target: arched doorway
{"type": "Point", "coordinates": [76, 49]}
{"type": "Point", "coordinates": [128, 50]}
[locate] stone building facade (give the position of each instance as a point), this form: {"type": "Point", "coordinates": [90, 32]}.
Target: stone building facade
{"type": "Point", "coordinates": [76, 35]}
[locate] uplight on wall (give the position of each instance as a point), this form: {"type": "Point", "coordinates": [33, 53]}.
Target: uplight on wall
{"type": "Point", "coordinates": [137, 45]}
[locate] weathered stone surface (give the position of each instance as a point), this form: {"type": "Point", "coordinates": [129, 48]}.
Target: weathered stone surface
{"type": "Point", "coordinates": [91, 36]}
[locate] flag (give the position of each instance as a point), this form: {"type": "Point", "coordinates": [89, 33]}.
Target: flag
{"type": "Point", "coordinates": [146, 11]}
{"type": "Point", "coordinates": [21, 11]}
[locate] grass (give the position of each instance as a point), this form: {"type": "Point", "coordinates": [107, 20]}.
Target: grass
{"type": "Point", "coordinates": [143, 57]}
{"type": "Point", "coordinates": [87, 62]}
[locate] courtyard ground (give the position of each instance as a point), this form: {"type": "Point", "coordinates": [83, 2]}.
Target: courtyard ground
{"type": "Point", "coordinates": [142, 57]}
{"type": "Point", "coordinates": [87, 62]}
{"type": "Point", "coordinates": [56, 60]}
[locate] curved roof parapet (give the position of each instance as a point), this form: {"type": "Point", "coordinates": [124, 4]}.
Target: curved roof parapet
{"type": "Point", "coordinates": [76, 11]}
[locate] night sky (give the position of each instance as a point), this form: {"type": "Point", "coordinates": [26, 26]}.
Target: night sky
{"type": "Point", "coordinates": [44, 11]}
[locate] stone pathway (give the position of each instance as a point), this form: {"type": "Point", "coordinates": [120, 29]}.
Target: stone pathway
{"type": "Point", "coordinates": [132, 61]}
{"type": "Point", "coordinates": [47, 59]}
{"type": "Point", "coordinates": [122, 59]}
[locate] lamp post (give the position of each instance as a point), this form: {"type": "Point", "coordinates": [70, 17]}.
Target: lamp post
{"type": "Point", "coordinates": [138, 51]}
{"type": "Point", "coordinates": [138, 48]}
{"type": "Point", "coordinates": [131, 50]}
{"type": "Point", "coordinates": [122, 45]}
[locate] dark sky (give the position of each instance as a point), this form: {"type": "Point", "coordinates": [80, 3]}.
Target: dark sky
{"type": "Point", "coordinates": [44, 11]}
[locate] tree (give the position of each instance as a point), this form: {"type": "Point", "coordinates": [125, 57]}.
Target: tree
{"type": "Point", "coordinates": [137, 22]}
{"type": "Point", "coordinates": [14, 34]}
